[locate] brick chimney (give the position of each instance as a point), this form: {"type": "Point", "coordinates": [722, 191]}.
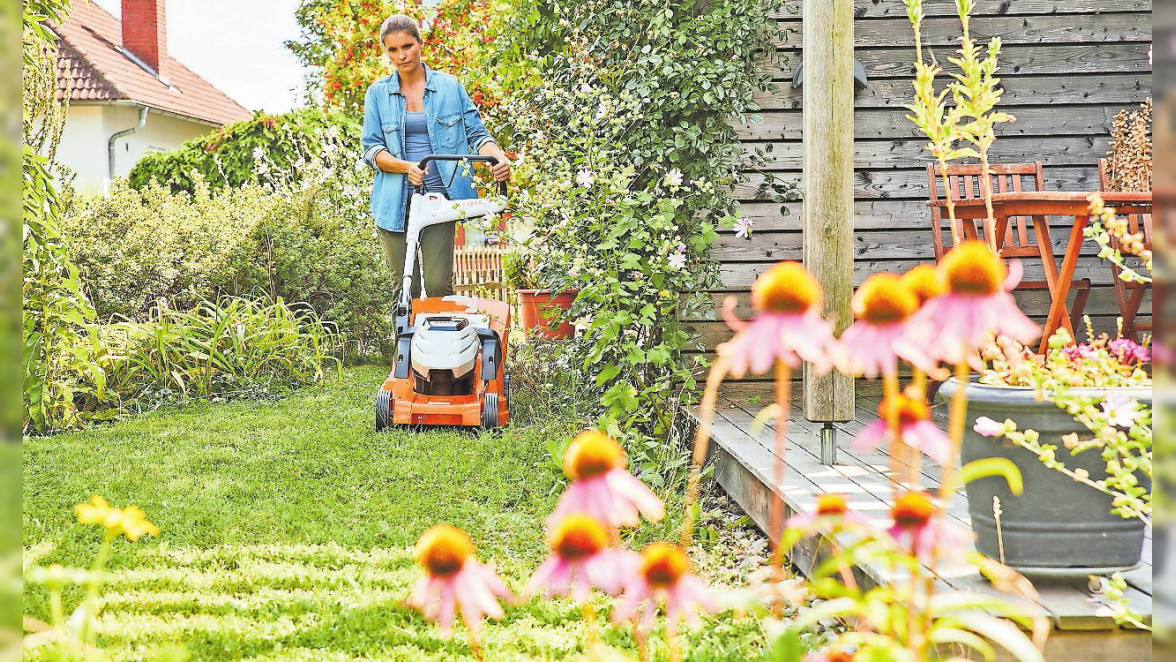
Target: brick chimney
{"type": "Point", "coordinates": [144, 31]}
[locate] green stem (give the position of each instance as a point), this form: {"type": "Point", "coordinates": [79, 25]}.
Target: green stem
{"type": "Point", "coordinates": [93, 586]}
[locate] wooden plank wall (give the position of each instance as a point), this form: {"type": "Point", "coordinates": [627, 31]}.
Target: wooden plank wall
{"type": "Point", "coordinates": [1067, 67]}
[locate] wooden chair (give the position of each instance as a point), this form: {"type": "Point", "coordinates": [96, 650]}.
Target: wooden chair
{"type": "Point", "coordinates": [1024, 237]}
{"type": "Point", "coordinates": [1128, 295]}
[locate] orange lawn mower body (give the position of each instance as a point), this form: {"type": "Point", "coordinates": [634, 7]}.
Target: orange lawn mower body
{"type": "Point", "coordinates": [450, 351]}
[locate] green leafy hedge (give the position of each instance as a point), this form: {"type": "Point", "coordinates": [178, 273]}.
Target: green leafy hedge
{"type": "Point", "coordinates": [231, 155]}
{"type": "Point", "coordinates": [300, 235]}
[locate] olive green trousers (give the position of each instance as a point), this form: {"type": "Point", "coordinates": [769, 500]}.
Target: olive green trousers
{"type": "Point", "coordinates": [435, 260]}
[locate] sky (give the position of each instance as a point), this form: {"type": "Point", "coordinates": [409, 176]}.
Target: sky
{"type": "Point", "coordinates": [237, 46]}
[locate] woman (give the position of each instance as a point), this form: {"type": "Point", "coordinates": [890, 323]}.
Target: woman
{"type": "Point", "coordinates": [408, 115]}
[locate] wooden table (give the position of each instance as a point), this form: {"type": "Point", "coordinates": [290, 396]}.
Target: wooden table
{"type": "Point", "coordinates": [1045, 203]}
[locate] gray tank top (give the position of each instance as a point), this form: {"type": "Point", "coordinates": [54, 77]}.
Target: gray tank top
{"type": "Point", "coordinates": [417, 147]}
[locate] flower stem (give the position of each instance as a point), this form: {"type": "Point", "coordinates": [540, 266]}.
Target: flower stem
{"type": "Point", "coordinates": [701, 444]}
{"type": "Point", "coordinates": [776, 518]}
{"type": "Point", "coordinates": [475, 647]}
{"type": "Point", "coordinates": [957, 418]}
{"type": "Point", "coordinates": [93, 585]}
{"type": "Point", "coordinates": [590, 623]}
{"type": "Point", "coordinates": [894, 432]}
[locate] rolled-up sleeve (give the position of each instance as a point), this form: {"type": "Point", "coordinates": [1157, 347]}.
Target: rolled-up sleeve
{"type": "Point", "coordinates": [372, 139]}
{"type": "Point", "coordinates": [475, 129]}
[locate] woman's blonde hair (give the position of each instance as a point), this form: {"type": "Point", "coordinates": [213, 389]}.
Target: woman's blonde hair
{"type": "Point", "coordinates": [400, 23]}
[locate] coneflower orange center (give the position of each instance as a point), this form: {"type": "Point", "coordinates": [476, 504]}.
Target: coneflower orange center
{"type": "Point", "coordinates": [912, 510]}
{"type": "Point", "coordinates": [884, 299]}
{"type": "Point", "coordinates": [593, 453]}
{"type": "Point", "coordinates": [578, 536]}
{"type": "Point", "coordinates": [925, 282]}
{"type": "Point", "coordinates": [786, 288]}
{"type": "Point", "coordinates": [838, 656]}
{"type": "Point", "coordinates": [831, 504]}
{"type": "Point", "coordinates": [907, 406]}
{"type": "Point", "coordinates": [443, 549]}
{"type": "Point", "coordinates": [663, 564]}
{"type": "Point", "coordinates": [973, 269]}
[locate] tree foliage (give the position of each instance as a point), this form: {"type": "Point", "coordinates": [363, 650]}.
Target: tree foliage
{"type": "Point", "coordinates": [231, 155]}
{"type": "Point", "coordinates": [340, 43]}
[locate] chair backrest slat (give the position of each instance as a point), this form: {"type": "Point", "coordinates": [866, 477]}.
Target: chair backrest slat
{"type": "Point", "coordinates": [964, 183]}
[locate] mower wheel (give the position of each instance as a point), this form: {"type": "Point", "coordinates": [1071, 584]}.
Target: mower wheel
{"type": "Point", "coordinates": [490, 410]}
{"type": "Point", "coordinates": [383, 409]}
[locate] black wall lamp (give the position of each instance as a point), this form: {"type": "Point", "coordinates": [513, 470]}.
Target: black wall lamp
{"type": "Point", "coordinates": [860, 82]}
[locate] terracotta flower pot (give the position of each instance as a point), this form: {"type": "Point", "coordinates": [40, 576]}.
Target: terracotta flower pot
{"type": "Point", "coordinates": [1056, 524]}
{"type": "Point", "coordinates": [537, 309]}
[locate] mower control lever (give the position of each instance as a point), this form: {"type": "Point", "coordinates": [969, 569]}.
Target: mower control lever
{"type": "Point", "coordinates": [492, 160]}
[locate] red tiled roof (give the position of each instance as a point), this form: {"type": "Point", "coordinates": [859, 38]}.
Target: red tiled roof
{"type": "Point", "coordinates": [91, 67]}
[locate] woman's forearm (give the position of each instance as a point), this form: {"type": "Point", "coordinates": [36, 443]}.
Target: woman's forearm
{"type": "Point", "coordinates": [388, 163]}
{"type": "Point", "coordinates": [491, 148]}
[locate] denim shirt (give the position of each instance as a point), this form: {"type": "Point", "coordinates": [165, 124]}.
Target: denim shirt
{"type": "Point", "coordinates": [454, 128]}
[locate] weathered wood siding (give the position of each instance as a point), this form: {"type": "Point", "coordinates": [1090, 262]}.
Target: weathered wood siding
{"type": "Point", "coordinates": [1067, 67]}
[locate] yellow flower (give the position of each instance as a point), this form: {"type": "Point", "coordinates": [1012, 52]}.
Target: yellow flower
{"type": "Point", "coordinates": [98, 511]}
{"type": "Point", "coordinates": [130, 521]}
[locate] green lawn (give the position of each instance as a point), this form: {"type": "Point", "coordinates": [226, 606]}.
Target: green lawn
{"type": "Point", "coordinates": [286, 529]}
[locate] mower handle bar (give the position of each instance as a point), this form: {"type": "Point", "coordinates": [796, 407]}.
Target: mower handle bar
{"type": "Point", "coordinates": [492, 160]}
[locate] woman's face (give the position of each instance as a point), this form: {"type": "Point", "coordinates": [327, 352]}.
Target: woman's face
{"type": "Point", "coordinates": [404, 51]}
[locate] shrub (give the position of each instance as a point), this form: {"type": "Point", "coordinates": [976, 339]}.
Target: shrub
{"type": "Point", "coordinates": [230, 156]}
{"type": "Point", "coordinates": [630, 162]}
{"type": "Point", "coordinates": [134, 246]}
{"type": "Point", "coordinates": [303, 238]}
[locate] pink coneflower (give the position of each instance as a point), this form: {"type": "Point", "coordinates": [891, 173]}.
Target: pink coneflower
{"type": "Point", "coordinates": [788, 326]}
{"type": "Point", "coordinates": [580, 560]}
{"type": "Point", "coordinates": [914, 424]}
{"type": "Point", "coordinates": [455, 580]}
{"type": "Point", "coordinates": [919, 528]}
{"type": "Point", "coordinates": [977, 302]}
{"type": "Point", "coordinates": [664, 577]}
{"type": "Point", "coordinates": [831, 508]}
{"type": "Point", "coordinates": [880, 336]}
{"type": "Point", "coordinates": [829, 656]}
{"type": "Point", "coordinates": [925, 282]}
{"type": "Point", "coordinates": [601, 487]}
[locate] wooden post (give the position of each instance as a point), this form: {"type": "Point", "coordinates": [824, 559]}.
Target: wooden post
{"type": "Point", "coordinates": [828, 185]}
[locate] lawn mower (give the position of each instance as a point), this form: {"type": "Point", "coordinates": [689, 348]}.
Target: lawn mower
{"type": "Point", "coordinates": [448, 368]}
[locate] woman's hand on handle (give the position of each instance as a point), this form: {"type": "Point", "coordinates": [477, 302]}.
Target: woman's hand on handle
{"type": "Point", "coordinates": [501, 170]}
{"type": "Point", "coordinates": [415, 175]}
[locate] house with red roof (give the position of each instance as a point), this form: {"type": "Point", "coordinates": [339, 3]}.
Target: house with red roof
{"type": "Point", "coordinates": [127, 95]}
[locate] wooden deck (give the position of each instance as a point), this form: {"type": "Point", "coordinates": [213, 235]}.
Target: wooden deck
{"type": "Point", "coordinates": [744, 462]}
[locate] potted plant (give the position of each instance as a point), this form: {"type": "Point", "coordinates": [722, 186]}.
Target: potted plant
{"type": "Point", "coordinates": [1077, 424]}
{"type": "Point", "coordinates": [542, 311]}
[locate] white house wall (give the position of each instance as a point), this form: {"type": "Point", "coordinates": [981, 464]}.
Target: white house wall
{"type": "Point", "coordinates": [88, 129]}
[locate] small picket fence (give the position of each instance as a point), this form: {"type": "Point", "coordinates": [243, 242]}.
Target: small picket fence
{"type": "Point", "coordinates": [477, 271]}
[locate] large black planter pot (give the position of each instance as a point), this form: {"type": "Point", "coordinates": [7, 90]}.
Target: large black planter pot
{"type": "Point", "coordinates": [1056, 524]}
